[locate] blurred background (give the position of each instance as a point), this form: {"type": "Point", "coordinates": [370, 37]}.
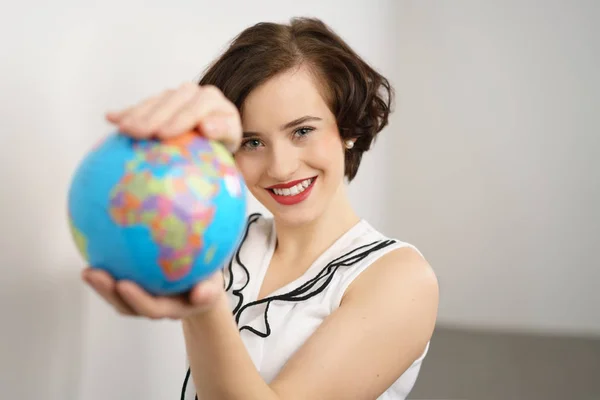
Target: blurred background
{"type": "Point", "coordinates": [489, 166]}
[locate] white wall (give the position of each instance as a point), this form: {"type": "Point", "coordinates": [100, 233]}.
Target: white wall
{"type": "Point", "coordinates": [497, 174]}
{"type": "Point", "coordinates": [64, 63]}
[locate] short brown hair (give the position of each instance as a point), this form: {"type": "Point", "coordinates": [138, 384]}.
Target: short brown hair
{"type": "Point", "coordinates": [358, 96]}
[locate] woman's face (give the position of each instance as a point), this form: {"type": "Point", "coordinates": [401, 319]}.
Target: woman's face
{"type": "Point", "coordinates": [292, 157]}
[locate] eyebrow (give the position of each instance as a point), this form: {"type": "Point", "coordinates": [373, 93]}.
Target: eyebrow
{"type": "Point", "coordinates": [289, 125]}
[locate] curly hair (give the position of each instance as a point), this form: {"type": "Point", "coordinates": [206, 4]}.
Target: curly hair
{"type": "Point", "coordinates": [358, 96]}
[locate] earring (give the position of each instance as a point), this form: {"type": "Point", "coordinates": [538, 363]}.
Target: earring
{"type": "Point", "coordinates": [349, 144]}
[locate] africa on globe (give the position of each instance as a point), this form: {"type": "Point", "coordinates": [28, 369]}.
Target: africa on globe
{"type": "Point", "coordinates": [164, 214]}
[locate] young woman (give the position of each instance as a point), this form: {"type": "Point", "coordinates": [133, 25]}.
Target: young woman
{"type": "Point", "coordinates": [316, 303]}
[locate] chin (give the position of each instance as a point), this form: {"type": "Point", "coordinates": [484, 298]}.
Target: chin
{"type": "Point", "coordinates": [297, 218]}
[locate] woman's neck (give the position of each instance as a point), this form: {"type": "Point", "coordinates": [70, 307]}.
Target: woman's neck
{"type": "Point", "coordinates": [309, 240]}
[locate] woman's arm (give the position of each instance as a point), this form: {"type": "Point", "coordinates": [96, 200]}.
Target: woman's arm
{"type": "Point", "coordinates": [221, 367]}
{"type": "Point", "coordinates": [385, 320]}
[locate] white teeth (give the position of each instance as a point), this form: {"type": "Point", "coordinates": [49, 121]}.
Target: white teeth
{"type": "Point", "coordinates": [294, 190]}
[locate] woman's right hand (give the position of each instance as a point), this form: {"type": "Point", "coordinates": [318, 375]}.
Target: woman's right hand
{"type": "Point", "coordinates": [188, 108]}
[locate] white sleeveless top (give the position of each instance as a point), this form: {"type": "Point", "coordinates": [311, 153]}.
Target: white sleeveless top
{"type": "Point", "coordinates": [273, 328]}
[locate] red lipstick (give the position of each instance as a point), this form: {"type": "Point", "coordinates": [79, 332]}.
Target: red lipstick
{"type": "Point", "coordinates": [291, 199]}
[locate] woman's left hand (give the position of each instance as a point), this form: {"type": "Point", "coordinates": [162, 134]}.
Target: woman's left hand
{"type": "Point", "coordinates": [130, 299]}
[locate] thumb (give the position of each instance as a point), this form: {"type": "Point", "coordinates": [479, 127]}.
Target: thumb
{"type": "Point", "coordinates": [205, 292]}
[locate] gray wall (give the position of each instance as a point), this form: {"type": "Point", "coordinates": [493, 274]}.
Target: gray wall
{"type": "Point", "coordinates": [501, 366]}
{"type": "Point", "coordinates": [496, 176]}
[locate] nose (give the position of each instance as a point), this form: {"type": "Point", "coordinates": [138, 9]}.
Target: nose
{"type": "Point", "coordinates": [284, 162]}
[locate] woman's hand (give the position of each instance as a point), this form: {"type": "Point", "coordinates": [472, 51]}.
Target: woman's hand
{"type": "Point", "coordinates": [173, 112]}
{"type": "Point", "coordinates": [190, 107]}
{"type": "Point", "coordinates": [130, 299]}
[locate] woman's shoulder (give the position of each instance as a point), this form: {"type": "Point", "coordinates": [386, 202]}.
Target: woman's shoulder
{"type": "Point", "coordinates": [402, 268]}
{"type": "Point", "coordinates": [395, 261]}
{"type": "Point", "coordinates": [368, 233]}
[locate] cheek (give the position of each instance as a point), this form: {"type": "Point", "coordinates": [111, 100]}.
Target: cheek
{"type": "Point", "coordinates": [249, 168]}
{"type": "Point", "coordinates": [326, 152]}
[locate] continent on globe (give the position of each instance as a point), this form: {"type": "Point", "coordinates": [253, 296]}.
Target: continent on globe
{"type": "Point", "coordinates": [175, 204]}
{"type": "Point", "coordinates": [79, 238]}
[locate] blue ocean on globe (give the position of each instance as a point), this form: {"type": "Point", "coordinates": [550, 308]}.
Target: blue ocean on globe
{"type": "Point", "coordinates": [164, 214]}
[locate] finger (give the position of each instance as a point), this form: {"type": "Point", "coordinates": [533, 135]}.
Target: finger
{"type": "Point", "coordinates": [206, 292]}
{"type": "Point", "coordinates": [118, 116]}
{"type": "Point", "coordinates": [149, 306]}
{"type": "Point", "coordinates": [208, 104]}
{"type": "Point", "coordinates": [186, 118]}
{"type": "Point", "coordinates": [133, 122]}
{"type": "Point", "coordinates": [168, 106]}
{"type": "Point", "coordinates": [115, 116]}
{"type": "Point", "coordinates": [107, 291]}
{"type": "Point", "coordinates": [203, 294]}
{"type": "Point", "coordinates": [104, 285]}
{"type": "Point", "coordinates": [225, 128]}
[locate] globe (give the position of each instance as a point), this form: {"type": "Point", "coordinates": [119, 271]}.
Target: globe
{"type": "Point", "coordinates": [164, 214]}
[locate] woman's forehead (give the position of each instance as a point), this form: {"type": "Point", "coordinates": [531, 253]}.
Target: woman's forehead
{"type": "Point", "coordinates": [284, 98]}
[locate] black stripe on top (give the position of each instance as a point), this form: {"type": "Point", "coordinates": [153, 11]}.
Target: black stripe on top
{"type": "Point", "coordinates": [238, 291]}
{"type": "Point", "coordinates": [313, 286]}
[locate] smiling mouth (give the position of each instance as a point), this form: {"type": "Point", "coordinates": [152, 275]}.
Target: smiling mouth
{"type": "Point", "coordinates": [293, 190]}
